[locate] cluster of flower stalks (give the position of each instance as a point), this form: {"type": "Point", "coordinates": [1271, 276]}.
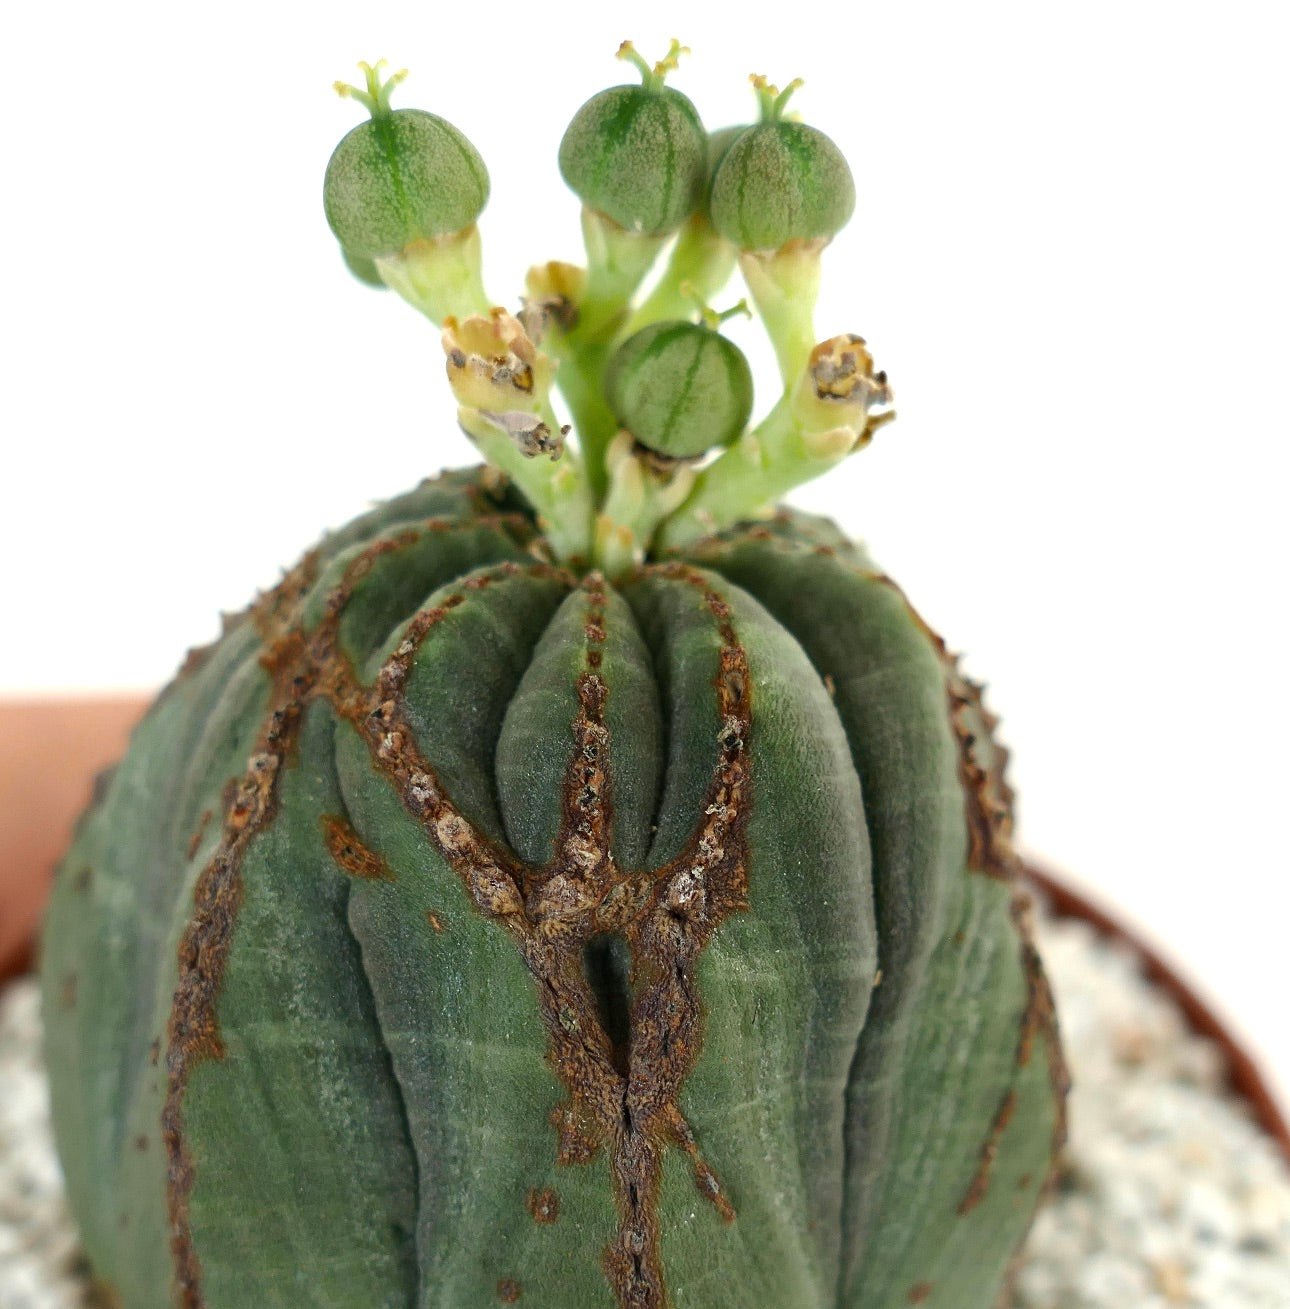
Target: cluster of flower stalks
{"type": "Point", "coordinates": [578, 882]}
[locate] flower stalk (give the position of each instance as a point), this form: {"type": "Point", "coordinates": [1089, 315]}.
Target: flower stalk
{"type": "Point", "coordinates": [784, 285]}
{"type": "Point", "coordinates": [502, 383]}
{"type": "Point", "coordinates": [643, 491]}
{"type": "Point", "coordinates": [699, 265]}
{"type": "Point", "coordinates": [441, 277]}
{"type": "Point", "coordinates": [833, 410]}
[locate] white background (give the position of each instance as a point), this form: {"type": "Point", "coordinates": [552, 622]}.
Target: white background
{"type": "Point", "coordinates": [1070, 253]}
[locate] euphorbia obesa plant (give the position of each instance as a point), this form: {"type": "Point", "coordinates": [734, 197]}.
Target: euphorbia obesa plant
{"type": "Point", "coordinates": [578, 880]}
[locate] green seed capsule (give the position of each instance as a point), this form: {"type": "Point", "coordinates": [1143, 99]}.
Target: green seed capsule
{"type": "Point", "coordinates": [403, 176]}
{"type": "Point", "coordinates": [719, 143]}
{"type": "Point", "coordinates": [638, 154]}
{"type": "Point", "coordinates": [781, 181]}
{"type": "Point", "coordinates": [363, 268]}
{"type": "Point", "coordinates": [680, 388]}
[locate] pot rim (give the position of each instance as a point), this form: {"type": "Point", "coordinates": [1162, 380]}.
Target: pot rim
{"type": "Point", "coordinates": [1244, 1076]}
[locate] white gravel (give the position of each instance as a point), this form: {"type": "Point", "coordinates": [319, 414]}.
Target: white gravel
{"type": "Point", "coordinates": [40, 1259]}
{"type": "Point", "coordinates": [1170, 1197]}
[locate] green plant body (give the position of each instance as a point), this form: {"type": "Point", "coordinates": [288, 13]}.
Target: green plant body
{"type": "Point", "coordinates": [580, 881]}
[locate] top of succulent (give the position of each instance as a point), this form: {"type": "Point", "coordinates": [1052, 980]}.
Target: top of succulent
{"type": "Point", "coordinates": [660, 450]}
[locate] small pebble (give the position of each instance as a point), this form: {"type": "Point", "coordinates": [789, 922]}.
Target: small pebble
{"type": "Point", "coordinates": [1169, 1196]}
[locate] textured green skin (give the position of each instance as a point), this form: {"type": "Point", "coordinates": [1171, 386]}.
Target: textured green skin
{"type": "Point", "coordinates": [680, 388]}
{"type": "Point", "coordinates": [364, 269]}
{"type": "Point", "coordinates": [781, 181]}
{"type": "Point", "coordinates": [718, 143]}
{"type": "Point", "coordinates": [401, 177]}
{"type": "Point", "coordinates": [637, 155]}
{"type": "Point", "coordinates": [380, 1106]}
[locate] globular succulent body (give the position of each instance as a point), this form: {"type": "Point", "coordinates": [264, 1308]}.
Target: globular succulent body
{"type": "Point", "coordinates": [458, 923]}
{"type": "Point", "coordinates": [577, 891]}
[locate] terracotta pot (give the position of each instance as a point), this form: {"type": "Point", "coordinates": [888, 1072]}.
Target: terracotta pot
{"type": "Point", "coordinates": [51, 751]}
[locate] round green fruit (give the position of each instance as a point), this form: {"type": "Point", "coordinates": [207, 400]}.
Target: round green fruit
{"type": "Point", "coordinates": [718, 143]}
{"type": "Point", "coordinates": [403, 176]}
{"type": "Point", "coordinates": [780, 181]}
{"type": "Point", "coordinates": [363, 268]}
{"type": "Point", "coordinates": [637, 154]}
{"type": "Point", "coordinates": [680, 388]}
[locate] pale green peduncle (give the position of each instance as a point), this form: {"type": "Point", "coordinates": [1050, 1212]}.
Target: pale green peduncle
{"type": "Point", "coordinates": [700, 264]}
{"type": "Point", "coordinates": [441, 277]}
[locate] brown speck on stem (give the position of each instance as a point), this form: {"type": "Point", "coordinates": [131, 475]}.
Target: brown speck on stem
{"type": "Point", "coordinates": [543, 1204]}
{"type": "Point", "coordinates": [195, 840]}
{"type": "Point", "coordinates": [981, 1181]}
{"type": "Point", "coordinates": [350, 854]}
{"type": "Point", "coordinates": [102, 1295]}
{"type": "Point", "coordinates": [919, 1293]}
{"type": "Point", "coordinates": [508, 1290]}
